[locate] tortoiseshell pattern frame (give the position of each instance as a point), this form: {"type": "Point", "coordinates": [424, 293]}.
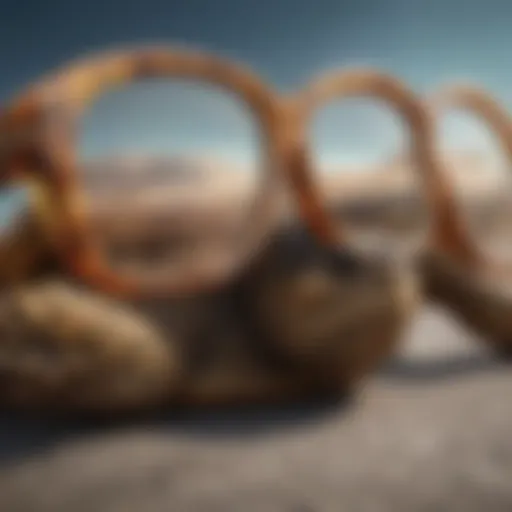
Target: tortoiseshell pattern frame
{"type": "Point", "coordinates": [38, 132]}
{"type": "Point", "coordinates": [483, 105]}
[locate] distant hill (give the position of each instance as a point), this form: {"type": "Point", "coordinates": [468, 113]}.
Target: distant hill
{"type": "Point", "coordinates": [136, 171]}
{"type": "Point", "coordinates": [468, 170]}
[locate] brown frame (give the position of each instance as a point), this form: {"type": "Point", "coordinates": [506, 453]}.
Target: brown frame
{"type": "Point", "coordinates": [481, 104]}
{"type": "Point", "coordinates": [38, 130]}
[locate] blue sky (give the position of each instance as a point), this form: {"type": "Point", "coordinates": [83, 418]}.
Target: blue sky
{"type": "Point", "coordinates": [286, 41]}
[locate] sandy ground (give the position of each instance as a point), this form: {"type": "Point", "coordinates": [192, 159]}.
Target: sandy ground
{"type": "Point", "coordinates": [430, 433]}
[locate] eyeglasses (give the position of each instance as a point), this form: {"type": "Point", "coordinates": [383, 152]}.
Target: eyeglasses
{"type": "Point", "coordinates": [38, 142]}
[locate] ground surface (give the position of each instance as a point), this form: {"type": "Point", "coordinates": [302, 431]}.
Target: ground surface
{"type": "Point", "coordinates": [433, 432]}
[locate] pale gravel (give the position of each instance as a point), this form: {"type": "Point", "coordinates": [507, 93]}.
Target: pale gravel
{"type": "Point", "coordinates": [432, 432]}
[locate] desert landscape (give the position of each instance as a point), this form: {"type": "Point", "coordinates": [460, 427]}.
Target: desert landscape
{"type": "Point", "coordinates": [201, 203]}
{"type": "Point", "coordinates": [362, 194]}
{"type": "Point", "coordinates": [143, 99]}
{"type": "Point", "coordinates": [430, 432]}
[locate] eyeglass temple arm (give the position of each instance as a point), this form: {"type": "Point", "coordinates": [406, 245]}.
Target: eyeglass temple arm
{"type": "Point", "coordinates": [480, 103]}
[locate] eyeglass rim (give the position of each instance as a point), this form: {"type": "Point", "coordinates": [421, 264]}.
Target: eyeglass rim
{"type": "Point", "coordinates": [59, 100]}
{"type": "Point", "coordinates": [57, 96]}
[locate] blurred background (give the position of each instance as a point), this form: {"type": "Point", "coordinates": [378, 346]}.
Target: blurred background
{"type": "Point", "coordinates": [174, 124]}
{"type": "Point", "coordinates": [191, 125]}
{"type": "Point", "coordinates": [433, 432]}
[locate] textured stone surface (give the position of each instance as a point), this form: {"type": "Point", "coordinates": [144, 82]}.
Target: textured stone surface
{"type": "Point", "coordinates": [431, 433]}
